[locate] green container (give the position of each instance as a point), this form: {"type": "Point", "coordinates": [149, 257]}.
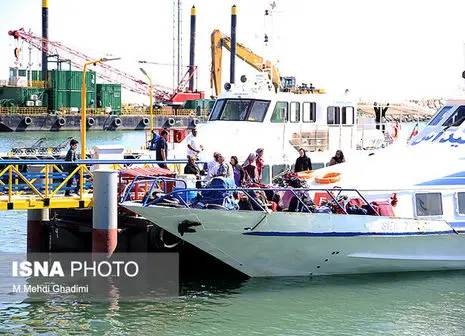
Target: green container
{"type": "Point", "coordinates": [72, 98]}
{"type": "Point", "coordinates": [109, 95]}
{"type": "Point", "coordinates": [72, 80]}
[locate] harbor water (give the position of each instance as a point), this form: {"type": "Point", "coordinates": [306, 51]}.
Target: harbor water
{"type": "Point", "coordinates": [423, 303]}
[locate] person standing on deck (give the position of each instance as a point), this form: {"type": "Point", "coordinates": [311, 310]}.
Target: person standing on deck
{"type": "Point", "coordinates": [303, 162]}
{"type": "Point", "coordinates": [239, 175]}
{"type": "Point", "coordinates": [192, 147]}
{"type": "Point", "coordinates": [162, 149]}
{"type": "Point", "coordinates": [71, 156]}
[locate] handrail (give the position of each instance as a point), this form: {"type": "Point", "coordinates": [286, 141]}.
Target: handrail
{"type": "Point", "coordinates": [19, 181]}
{"type": "Point", "coordinates": [92, 161]}
{"type": "Point", "coordinates": [295, 191]}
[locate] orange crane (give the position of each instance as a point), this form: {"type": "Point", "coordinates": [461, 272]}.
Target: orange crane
{"type": "Point", "coordinates": [107, 72]}
{"type": "Point", "coordinates": [219, 40]}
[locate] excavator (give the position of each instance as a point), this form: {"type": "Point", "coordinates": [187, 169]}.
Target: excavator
{"type": "Point", "coordinates": [219, 40]}
{"type": "Point", "coordinates": [283, 84]}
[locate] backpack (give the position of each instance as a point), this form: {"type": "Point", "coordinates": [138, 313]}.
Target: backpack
{"type": "Point", "coordinates": [154, 141]}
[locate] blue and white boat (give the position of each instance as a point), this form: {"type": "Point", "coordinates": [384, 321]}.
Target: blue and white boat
{"type": "Point", "coordinates": [423, 183]}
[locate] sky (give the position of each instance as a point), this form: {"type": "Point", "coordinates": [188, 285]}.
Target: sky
{"type": "Point", "coordinates": [383, 49]}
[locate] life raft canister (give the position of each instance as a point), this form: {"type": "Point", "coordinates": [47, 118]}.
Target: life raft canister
{"type": "Point", "coordinates": [328, 178]}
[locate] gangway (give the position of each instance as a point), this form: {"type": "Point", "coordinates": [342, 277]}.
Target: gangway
{"type": "Point", "coordinates": [40, 184]}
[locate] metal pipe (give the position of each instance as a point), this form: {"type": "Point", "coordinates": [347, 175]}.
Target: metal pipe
{"type": "Point", "coordinates": [45, 37]}
{"type": "Point", "coordinates": [233, 44]}
{"type": "Point", "coordinates": [192, 50]}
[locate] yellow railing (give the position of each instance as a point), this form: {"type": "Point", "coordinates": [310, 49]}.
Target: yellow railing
{"type": "Point", "coordinates": [33, 185]}
{"type": "Point", "coordinates": [89, 111]}
{"type": "Point", "coordinates": [23, 110]}
{"type": "Point", "coordinates": [167, 112]}
{"type": "Point", "coordinates": [39, 84]}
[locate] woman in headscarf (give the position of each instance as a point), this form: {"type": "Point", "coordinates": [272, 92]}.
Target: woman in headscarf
{"type": "Point", "coordinates": [238, 171]}
{"type": "Point", "coordinates": [250, 168]}
{"type": "Point", "coordinates": [303, 162]}
{"type": "Point", "coordinates": [259, 161]}
{"type": "Point", "coordinates": [338, 158]}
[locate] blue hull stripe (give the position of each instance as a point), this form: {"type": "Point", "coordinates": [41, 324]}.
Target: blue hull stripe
{"type": "Point", "coordinates": [452, 179]}
{"type": "Point", "coordinates": [444, 181]}
{"type": "Point", "coordinates": [344, 234]}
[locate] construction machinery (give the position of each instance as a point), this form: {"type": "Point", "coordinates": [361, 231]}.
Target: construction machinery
{"type": "Point", "coordinates": [107, 72]}
{"type": "Point", "coordinates": [280, 84]}
{"type": "Point", "coordinates": [219, 40]}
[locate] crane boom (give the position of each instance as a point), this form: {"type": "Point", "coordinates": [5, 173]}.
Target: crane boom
{"type": "Point", "coordinates": [219, 40]}
{"type": "Point", "coordinates": [103, 70]}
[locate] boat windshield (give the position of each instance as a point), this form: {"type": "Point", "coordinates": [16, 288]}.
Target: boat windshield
{"type": "Point", "coordinates": [240, 110]}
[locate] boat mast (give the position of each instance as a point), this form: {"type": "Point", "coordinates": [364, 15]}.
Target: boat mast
{"type": "Point", "coordinates": [177, 42]}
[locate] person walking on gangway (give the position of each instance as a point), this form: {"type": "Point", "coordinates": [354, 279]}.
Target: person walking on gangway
{"type": "Point", "coordinates": [71, 156]}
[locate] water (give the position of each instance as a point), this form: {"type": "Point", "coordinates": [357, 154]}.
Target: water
{"type": "Point", "coordinates": [393, 304]}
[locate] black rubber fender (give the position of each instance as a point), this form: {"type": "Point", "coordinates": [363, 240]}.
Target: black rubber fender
{"type": "Point", "coordinates": [27, 121]}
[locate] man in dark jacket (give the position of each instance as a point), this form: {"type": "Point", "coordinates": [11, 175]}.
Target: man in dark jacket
{"type": "Point", "coordinates": [303, 162]}
{"type": "Point", "coordinates": [162, 149]}
{"type": "Point", "coordinates": [72, 156]}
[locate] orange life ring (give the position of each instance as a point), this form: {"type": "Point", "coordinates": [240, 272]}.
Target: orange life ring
{"type": "Point", "coordinates": [307, 174]}
{"type": "Point", "coordinates": [328, 178]}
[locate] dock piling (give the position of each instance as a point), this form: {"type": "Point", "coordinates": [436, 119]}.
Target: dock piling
{"type": "Point", "coordinates": [105, 212]}
{"type": "Point", "coordinates": [37, 233]}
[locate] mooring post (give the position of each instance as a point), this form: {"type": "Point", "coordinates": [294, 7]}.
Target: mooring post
{"type": "Point", "coordinates": [37, 233]}
{"type": "Point", "coordinates": [105, 212]}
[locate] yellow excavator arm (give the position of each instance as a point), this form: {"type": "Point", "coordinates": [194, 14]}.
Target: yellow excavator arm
{"type": "Point", "coordinates": [219, 40]}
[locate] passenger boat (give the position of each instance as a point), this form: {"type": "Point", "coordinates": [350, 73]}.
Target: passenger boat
{"type": "Point", "coordinates": [407, 213]}
{"type": "Point", "coordinates": [246, 118]}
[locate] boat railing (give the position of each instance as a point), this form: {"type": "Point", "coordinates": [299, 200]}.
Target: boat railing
{"type": "Point", "coordinates": [161, 183]}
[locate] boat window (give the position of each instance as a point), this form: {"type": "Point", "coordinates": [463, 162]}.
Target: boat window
{"type": "Point", "coordinates": [309, 112]}
{"type": "Point", "coordinates": [295, 112]}
{"type": "Point", "coordinates": [280, 113]}
{"type": "Point", "coordinates": [439, 116]}
{"type": "Point", "coordinates": [348, 115]}
{"type": "Point", "coordinates": [457, 118]}
{"type": "Point", "coordinates": [461, 203]}
{"type": "Point", "coordinates": [217, 109]}
{"type": "Point", "coordinates": [334, 115]}
{"type": "Point", "coordinates": [258, 110]}
{"type": "Point", "coordinates": [235, 110]}
{"type": "Point", "coordinates": [428, 204]}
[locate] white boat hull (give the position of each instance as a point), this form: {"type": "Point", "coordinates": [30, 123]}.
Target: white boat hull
{"type": "Point", "coordinates": [302, 244]}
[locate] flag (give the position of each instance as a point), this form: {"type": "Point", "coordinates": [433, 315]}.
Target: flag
{"type": "Point", "coordinates": [414, 132]}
